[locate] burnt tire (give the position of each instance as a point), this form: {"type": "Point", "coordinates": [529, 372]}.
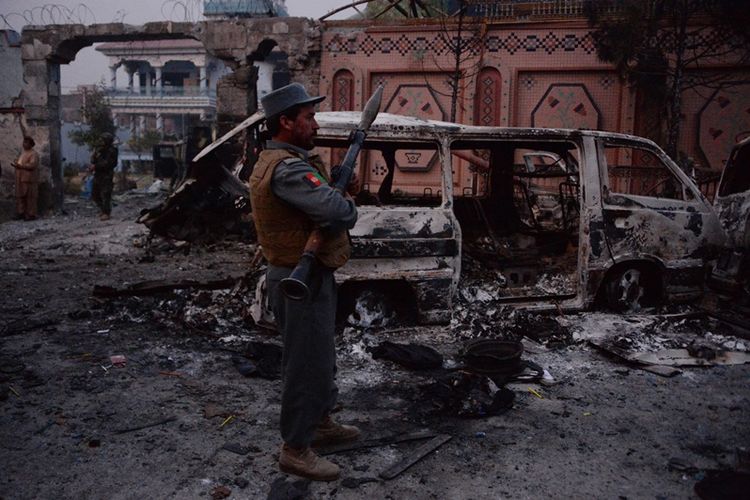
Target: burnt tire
{"type": "Point", "coordinates": [628, 290]}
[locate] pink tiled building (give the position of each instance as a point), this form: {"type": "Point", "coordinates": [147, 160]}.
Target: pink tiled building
{"type": "Point", "coordinates": [539, 73]}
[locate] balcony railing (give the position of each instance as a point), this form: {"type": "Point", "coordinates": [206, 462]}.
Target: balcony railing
{"type": "Point", "coordinates": [525, 9]}
{"type": "Point", "coordinates": [190, 91]}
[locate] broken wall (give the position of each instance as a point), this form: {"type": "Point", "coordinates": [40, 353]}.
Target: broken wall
{"type": "Point", "coordinates": [11, 117]}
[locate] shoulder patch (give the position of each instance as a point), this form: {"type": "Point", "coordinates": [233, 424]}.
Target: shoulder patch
{"type": "Point", "coordinates": [313, 179]}
{"type": "Point", "coordinates": [293, 162]}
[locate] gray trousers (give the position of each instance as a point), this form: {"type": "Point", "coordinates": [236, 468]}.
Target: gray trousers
{"type": "Point", "coordinates": [309, 359]}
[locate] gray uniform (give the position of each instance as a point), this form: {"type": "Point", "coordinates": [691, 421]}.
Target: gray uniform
{"type": "Point", "coordinates": [309, 360]}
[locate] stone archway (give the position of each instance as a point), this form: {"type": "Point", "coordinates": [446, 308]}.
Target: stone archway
{"type": "Point", "coordinates": [236, 42]}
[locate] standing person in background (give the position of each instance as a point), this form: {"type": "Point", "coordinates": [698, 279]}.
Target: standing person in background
{"type": "Point", "coordinates": [27, 181]}
{"type": "Point", "coordinates": [103, 163]}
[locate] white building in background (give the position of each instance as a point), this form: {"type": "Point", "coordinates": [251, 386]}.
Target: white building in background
{"type": "Point", "coordinates": [170, 85]}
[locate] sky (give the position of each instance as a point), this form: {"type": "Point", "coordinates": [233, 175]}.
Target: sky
{"type": "Point", "coordinates": [90, 66]}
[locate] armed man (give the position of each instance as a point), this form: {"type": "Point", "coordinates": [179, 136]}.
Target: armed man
{"type": "Point", "coordinates": [103, 163]}
{"type": "Point", "coordinates": [292, 198]}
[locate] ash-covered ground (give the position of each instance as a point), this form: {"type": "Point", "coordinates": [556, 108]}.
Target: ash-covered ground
{"type": "Point", "coordinates": [178, 419]}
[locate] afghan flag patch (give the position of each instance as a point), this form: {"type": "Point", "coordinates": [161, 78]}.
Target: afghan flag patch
{"type": "Point", "coordinates": [313, 179]}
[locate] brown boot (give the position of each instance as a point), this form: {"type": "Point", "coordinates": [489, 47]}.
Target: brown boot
{"type": "Point", "coordinates": [330, 432]}
{"type": "Point", "coordinates": [307, 463]}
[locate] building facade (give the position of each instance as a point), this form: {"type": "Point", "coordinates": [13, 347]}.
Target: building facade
{"type": "Point", "coordinates": [169, 84]}
{"type": "Point", "coordinates": [524, 64]}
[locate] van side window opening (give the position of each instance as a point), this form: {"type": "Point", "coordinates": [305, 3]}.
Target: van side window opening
{"type": "Point", "coordinates": [737, 175]}
{"type": "Point", "coordinates": [639, 172]}
{"type": "Point", "coordinates": [518, 203]}
{"type": "Point", "coordinates": [392, 173]}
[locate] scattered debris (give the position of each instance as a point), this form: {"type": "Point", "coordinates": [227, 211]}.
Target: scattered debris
{"type": "Point", "coordinates": [245, 367]}
{"type": "Point", "coordinates": [220, 492]}
{"type": "Point", "coordinates": [266, 357]}
{"type": "Point", "coordinates": [372, 309]}
{"type": "Point", "coordinates": [209, 205]}
{"type": "Point", "coordinates": [679, 465]}
{"type": "Point", "coordinates": [26, 325]}
{"type": "Point", "coordinates": [161, 286]}
{"type": "Point", "coordinates": [468, 395]}
{"type": "Point", "coordinates": [146, 426]}
{"type": "Point", "coordinates": [356, 482]}
{"type": "Point", "coordinates": [414, 457]}
{"type": "Point", "coordinates": [411, 356]}
{"type": "Point", "coordinates": [377, 442]}
{"type": "Point", "coordinates": [118, 360]}
{"type": "Point", "coordinates": [212, 410]}
{"type": "Point", "coordinates": [236, 448]}
{"type": "Point", "coordinates": [684, 357]}
{"type": "Point", "coordinates": [284, 489]}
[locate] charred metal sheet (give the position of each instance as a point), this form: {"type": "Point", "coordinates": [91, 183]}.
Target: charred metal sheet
{"type": "Point", "coordinates": [208, 205]}
{"type": "Point", "coordinates": [734, 213]}
{"type": "Point", "coordinates": [364, 248]}
{"type": "Point", "coordinates": [417, 455]}
{"type": "Point", "coordinates": [398, 222]}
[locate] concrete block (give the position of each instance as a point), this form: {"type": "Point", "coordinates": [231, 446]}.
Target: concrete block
{"type": "Point", "coordinates": [225, 37]}
{"type": "Point", "coordinates": [280, 28]}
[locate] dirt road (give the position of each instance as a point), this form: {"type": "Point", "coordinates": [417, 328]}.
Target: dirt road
{"type": "Point", "coordinates": [177, 419]}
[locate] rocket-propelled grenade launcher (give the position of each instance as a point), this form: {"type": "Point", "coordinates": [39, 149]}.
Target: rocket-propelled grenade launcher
{"type": "Point", "coordinates": [296, 287]}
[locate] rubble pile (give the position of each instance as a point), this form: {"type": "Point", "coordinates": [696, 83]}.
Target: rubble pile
{"type": "Point", "coordinates": [216, 313]}
{"type": "Point", "coordinates": [477, 312]}
{"type": "Point", "coordinates": [650, 333]}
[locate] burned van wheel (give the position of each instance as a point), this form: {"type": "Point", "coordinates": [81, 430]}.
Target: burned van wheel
{"type": "Point", "coordinates": [626, 290]}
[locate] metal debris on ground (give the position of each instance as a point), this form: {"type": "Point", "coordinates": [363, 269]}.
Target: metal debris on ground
{"type": "Point", "coordinates": [377, 442]}
{"type": "Point", "coordinates": [466, 395]}
{"type": "Point", "coordinates": [411, 356]}
{"type": "Point", "coordinates": [161, 286]}
{"type": "Point", "coordinates": [415, 456]}
{"type": "Point", "coordinates": [146, 425]}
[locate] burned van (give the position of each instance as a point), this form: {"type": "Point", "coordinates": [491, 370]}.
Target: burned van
{"type": "Point", "coordinates": [559, 218]}
{"type": "Point", "coordinates": [732, 203]}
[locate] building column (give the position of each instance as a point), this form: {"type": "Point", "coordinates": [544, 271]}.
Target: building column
{"type": "Point", "coordinates": [141, 124]}
{"type": "Point", "coordinates": [148, 82]}
{"type": "Point", "coordinates": [130, 79]}
{"type": "Point", "coordinates": [158, 79]}
{"type": "Point", "coordinates": [160, 123]}
{"type": "Point", "coordinates": [113, 77]}
{"type": "Point", "coordinates": [137, 75]}
{"type": "Point", "coordinates": [203, 79]}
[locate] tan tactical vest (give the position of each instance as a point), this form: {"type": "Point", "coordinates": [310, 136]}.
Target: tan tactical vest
{"type": "Point", "coordinates": [282, 229]}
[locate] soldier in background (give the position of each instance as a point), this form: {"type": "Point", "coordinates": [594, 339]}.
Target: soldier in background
{"type": "Point", "coordinates": [103, 163]}
{"type": "Point", "coordinates": [27, 181]}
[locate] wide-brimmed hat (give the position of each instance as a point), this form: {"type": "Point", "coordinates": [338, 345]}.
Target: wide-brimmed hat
{"type": "Point", "coordinates": [284, 98]}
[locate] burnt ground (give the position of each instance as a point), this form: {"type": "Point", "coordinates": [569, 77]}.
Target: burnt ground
{"type": "Point", "coordinates": [179, 421]}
